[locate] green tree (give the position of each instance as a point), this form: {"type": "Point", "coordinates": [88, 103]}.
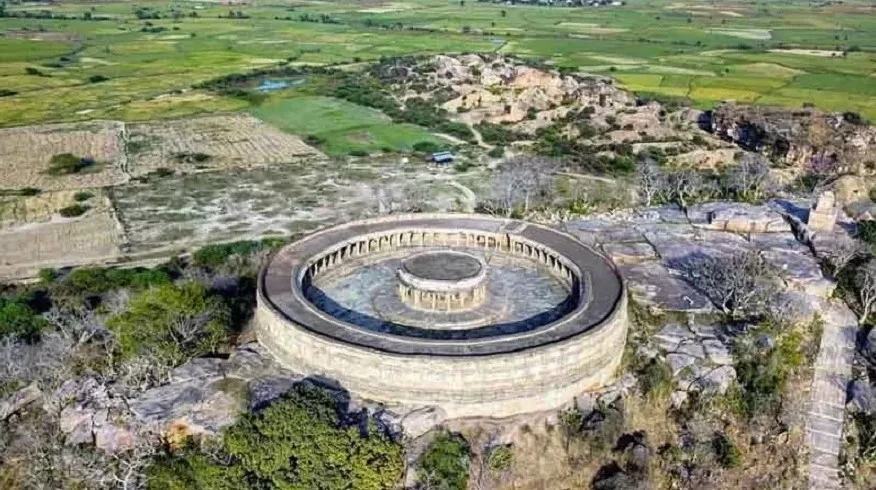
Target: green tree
{"type": "Point", "coordinates": [297, 443]}
{"type": "Point", "coordinates": [446, 464]}
{"type": "Point", "coordinates": [17, 318]}
{"type": "Point", "coordinates": [172, 322]}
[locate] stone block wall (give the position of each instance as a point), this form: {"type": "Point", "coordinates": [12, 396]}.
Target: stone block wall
{"type": "Point", "coordinates": [501, 385]}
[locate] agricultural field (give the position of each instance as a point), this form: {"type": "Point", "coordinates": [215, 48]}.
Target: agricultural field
{"type": "Point", "coordinates": [44, 157]}
{"type": "Point", "coordinates": [342, 127]}
{"type": "Point", "coordinates": [210, 143]}
{"type": "Point", "coordinates": [57, 229]}
{"type": "Point", "coordinates": [116, 60]}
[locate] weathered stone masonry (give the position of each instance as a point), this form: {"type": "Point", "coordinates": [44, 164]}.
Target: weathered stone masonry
{"type": "Point", "coordinates": [495, 376]}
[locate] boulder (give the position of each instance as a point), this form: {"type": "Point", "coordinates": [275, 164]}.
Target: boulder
{"type": "Point", "coordinates": [193, 406]}
{"type": "Point", "coordinates": [860, 396]}
{"type": "Point", "coordinates": [19, 400]}
{"type": "Point", "coordinates": [738, 218]}
{"type": "Point", "coordinates": [420, 421]}
{"type": "Point", "coordinates": [629, 253]}
{"type": "Point", "coordinates": [677, 399]}
{"type": "Point", "coordinates": [677, 362]}
{"type": "Point", "coordinates": [716, 381]}
{"type": "Point", "coordinates": [112, 438]}
{"type": "Point", "coordinates": [692, 348]}
{"type": "Point", "coordinates": [869, 348]}
{"type": "Point", "coordinates": [671, 336]}
{"type": "Point", "coordinates": [717, 352]}
{"type": "Point", "coordinates": [77, 423]}
{"type": "Point", "coordinates": [201, 369]}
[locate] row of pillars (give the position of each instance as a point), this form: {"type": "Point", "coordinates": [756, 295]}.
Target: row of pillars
{"type": "Point", "coordinates": [439, 239]}
{"type": "Point", "coordinates": [440, 301]}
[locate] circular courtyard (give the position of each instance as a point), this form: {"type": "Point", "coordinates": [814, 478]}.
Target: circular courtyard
{"type": "Point", "coordinates": [478, 315]}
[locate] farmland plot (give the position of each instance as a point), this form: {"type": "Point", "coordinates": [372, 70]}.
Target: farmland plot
{"type": "Point", "coordinates": [93, 237]}
{"type": "Point", "coordinates": [27, 153]}
{"type": "Point", "coordinates": [211, 143]}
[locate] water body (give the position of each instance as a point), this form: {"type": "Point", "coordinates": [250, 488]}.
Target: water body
{"type": "Point", "coordinates": [274, 85]}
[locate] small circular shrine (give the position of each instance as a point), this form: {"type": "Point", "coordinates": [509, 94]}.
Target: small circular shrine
{"type": "Point", "coordinates": [442, 281]}
{"type": "Point", "coordinates": [477, 315]}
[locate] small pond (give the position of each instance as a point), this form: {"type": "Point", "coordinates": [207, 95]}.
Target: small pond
{"type": "Point", "coordinates": [273, 85]}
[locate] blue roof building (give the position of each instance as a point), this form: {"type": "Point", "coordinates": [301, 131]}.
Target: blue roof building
{"type": "Point", "coordinates": [442, 157]}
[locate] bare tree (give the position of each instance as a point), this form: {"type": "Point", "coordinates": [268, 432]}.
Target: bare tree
{"type": "Point", "coordinates": [128, 468]}
{"type": "Point", "coordinates": [750, 179]}
{"type": "Point", "coordinates": [684, 185]}
{"type": "Point", "coordinates": [823, 169]}
{"type": "Point", "coordinates": [652, 182]}
{"type": "Point", "coordinates": [739, 284]}
{"type": "Point", "coordinates": [523, 182]}
{"type": "Point", "coordinates": [399, 199]}
{"type": "Point", "coordinates": [865, 283]}
{"type": "Point", "coordinates": [843, 251]}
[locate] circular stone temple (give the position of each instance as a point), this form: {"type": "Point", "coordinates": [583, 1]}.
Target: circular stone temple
{"type": "Point", "coordinates": [477, 315]}
{"type": "Point", "coordinates": [443, 281]}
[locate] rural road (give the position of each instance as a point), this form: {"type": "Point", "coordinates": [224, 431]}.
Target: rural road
{"type": "Point", "coordinates": [827, 400]}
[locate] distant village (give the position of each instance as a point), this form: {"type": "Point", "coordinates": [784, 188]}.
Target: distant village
{"type": "Point", "coordinates": [568, 3]}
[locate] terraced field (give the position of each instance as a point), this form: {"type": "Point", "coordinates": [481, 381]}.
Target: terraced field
{"type": "Point", "coordinates": [133, 66]}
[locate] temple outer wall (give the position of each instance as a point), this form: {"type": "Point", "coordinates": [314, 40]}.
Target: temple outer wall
{"type": "Point", "coordinates": [499, 385]}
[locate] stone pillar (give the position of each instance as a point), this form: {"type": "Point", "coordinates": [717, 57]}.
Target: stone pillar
{"type": "Point", "coordinates": [822, 216]}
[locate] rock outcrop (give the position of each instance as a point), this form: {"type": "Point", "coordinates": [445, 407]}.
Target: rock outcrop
{"type": "Point", "coordinates": [799, 137]}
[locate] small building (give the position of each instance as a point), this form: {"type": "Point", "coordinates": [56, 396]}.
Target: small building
{"type": "Point", "coordinates": [442, 157]}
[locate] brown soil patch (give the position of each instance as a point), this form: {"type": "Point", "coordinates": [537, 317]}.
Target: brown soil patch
{"type": "Point", "coordinates": [42, 35]}
{"type": "Point", "coordinates": [211, 143]}
{"type": "Point", "coordinates": [18, 211]}
{"type": "Point", "coordinates": [26, 153]}
{"type": "Point", "coordinates": [93, 237]}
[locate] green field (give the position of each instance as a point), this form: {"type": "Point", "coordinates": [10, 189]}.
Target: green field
{"type": "Point", "coordinates": [343, 126]}
{"type": "Point", "coordinates": [754, 52]}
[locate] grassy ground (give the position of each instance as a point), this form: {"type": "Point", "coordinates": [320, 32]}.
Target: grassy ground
{"type": "Point", "coordinates": [343, 127]}
{"type": "Point", "coordinates": [753, 52]}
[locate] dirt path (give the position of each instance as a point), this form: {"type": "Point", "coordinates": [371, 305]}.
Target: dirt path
{"type": "Point", "coordinates": [471, 199]}
{"type": "Point", "coordinates": [596, 178]}
{"type": "Point", "coordinates": [828, 396]}
{"type": "Point", "coordinates": [479, 138]}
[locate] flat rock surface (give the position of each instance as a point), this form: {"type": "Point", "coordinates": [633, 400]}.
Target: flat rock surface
{"type": "Point", "coordinates": [652, 283]}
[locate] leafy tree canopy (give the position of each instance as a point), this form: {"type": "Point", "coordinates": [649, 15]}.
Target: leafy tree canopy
{"type": "Point", "coordinates": [299, 442]}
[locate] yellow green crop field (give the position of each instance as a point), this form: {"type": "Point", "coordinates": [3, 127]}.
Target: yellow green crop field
{"type": "Point", "coordinates": [74, 61]}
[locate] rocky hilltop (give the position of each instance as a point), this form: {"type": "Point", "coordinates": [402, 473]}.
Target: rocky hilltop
{"type": "Point", "coordinates": [799, 138]}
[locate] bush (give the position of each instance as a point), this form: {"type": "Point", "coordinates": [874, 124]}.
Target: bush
{"type": "Point", "coordinates": [426, 147]}
{"type": "Point", "coordinates": [83, 196]}
{"type": "Point", "coordinates": [173, 323]}
{"type": "Point", "coordinates": [497, 151]}
{"type": "Point", "coordinates": [73, 210]}
{"type": "Point", "coordinates": [97, 79]}
{"type": "Point", "coordinates": [497, 134]}
{"type": "Point", "coordinates": [656, 378]}
{"type": "Point", "coordinates": [762, 375]}
{"type": "Point", "coordinates": [358, 153]}
{"type": "Point", "coordinates": [34, 72]}
{"type": "Point", "coordinates": [30, 191]}
{"type": "Point", "coordinates": [94, 281]}
{"type": "Point", "coordinates": [313, 140]}
{"type": "Point", "coordinates": [301, 441]}
{"type": "Point", "coordinates": [18, 319]}
{"type": "Point", "coordinates": [215, 256]}
{"type": "Point", "coordinates": [727, 452]}
{"type": "Point", "coordinates": [67, 163]}
{"type": "Point", "coordinates": [445, 464]}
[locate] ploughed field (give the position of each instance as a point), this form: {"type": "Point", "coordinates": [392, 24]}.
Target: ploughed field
{"type": "Point", "coordinates": [119, 61]}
